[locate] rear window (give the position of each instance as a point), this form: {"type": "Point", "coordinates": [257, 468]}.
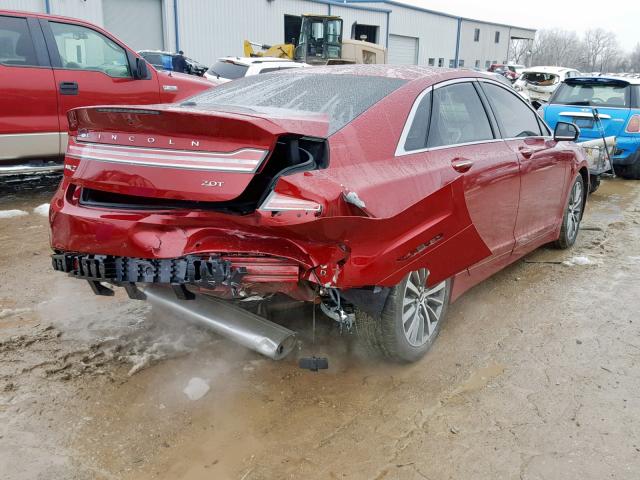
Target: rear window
{"type": "Point", "coordinates": [228, 70]}
{"type": "Point", "coordinates": [594, 94]}
{"type": "Point", "coordinates": [341, 97]}
{"type": "Point", "coordinates": [539, 78]}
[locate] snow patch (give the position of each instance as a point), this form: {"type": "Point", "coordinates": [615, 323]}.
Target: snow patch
{"type": "Point", "coordinates": [196, 388]}
{"type": "Point", "coordinates": [142, 354]}
{"type": "Point", "coordinates": [12, 213]}
{"type": "Point", "coordinates": [42, 210]}
{"type": "Point", "coordinates": [9, 312]}
{"type": "Point", "coordinates": [578, 261]}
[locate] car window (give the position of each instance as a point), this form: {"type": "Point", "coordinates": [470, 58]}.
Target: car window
{"type": "Point", "coordinates": [457, 116]}
{"type": "Point", "coordinates": [341, 97]}
{"type": "Point", "coordinates": [154, 59]}
{"type": "Point", "coordinates": [228, 70]}
{"type": "Point", "coordinates": [417, 136]}
{"type": "Point", "coordinates": [16, 46]}
{"type": "Point", "coordinates": [595, 93]}
{"type": "Point", "coordinates": [81, 48]}
{"type": "Point", "coordinates": [274, 69]}
{"type": "Point", "coordinates": [513, 115]}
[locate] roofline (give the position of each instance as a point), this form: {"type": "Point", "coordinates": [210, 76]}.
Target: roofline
{"type": "Point", "coordinates": [435, 12]}
{"type": "Point", "coordinates": [345, 4]}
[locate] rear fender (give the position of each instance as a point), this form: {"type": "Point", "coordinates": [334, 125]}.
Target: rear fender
{"type": "Point", "coordinates": [435, 233]}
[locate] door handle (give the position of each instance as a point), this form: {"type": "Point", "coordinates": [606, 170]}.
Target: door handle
{"type": "Point", "coordinates": [527, 152]}
{"type": "Point", "coordinates": [68, 88]}
{"type": "Point", "coordinates": [461, 165]}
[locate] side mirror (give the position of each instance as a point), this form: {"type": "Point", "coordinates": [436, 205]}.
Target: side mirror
{"type": "Point", "coordinates": [141, 71]}
{"type": "Point", "coordinates": [566, 132]}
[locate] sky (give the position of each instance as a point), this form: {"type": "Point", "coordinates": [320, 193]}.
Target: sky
{"type": "Point", "coordinates": [578, 15]}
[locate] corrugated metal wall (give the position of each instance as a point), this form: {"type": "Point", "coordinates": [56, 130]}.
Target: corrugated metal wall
{"type": "Point", "coordinates": [209, 30]}
{"type": "Point", "coordinates": [351, 15]}
{"type": "Point", "coordinates": [436, 33]}
{"type": "Point", "coordinates": [90, 11]}
{"type": "Point", "coordinates": [485, 49]}
{"type": "Point", "coordinates": [27, 5]}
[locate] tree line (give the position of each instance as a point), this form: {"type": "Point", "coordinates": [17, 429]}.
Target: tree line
{"type": "Point", "coordinates": [596, 50]}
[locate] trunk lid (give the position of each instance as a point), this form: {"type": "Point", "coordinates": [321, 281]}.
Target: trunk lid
{"type": "Point", "coordinates": [182, 154]}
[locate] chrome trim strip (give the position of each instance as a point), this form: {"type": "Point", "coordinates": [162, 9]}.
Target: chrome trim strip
{"type": "Point", "coordinates": [21, 145]}
{"type": "Point", "coordinates": [28, 169]}
{"type": "Point", "coordinates": [180, 159]}
{"type": "Point", "coordinates": [584, 115]}
{"type": "Point", "coordinates": [400, 150]}
{"type": "Point", "coordinates": [162, 164]}
{"type": "Point", "coordinates": [98, 151]}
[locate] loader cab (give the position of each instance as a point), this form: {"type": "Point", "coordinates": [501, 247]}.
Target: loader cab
{"type": "Point", "coordinates": [320, 40]}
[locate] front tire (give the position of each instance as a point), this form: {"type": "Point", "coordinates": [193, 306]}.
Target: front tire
{"type": "Point", "coordinates": [410, 320]}
{"type": "Point", "coordinates": [572, 215]}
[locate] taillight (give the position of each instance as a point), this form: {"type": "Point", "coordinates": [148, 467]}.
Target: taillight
{"type": "Point", "coordinates": [278, 202]}
{"type": "Point", "coordinates": [634, 124]}
{"type": "Point", "coordinates": [73, 120]}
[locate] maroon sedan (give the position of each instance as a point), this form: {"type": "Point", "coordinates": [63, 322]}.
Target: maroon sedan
{"type": "Point", "coordinates": [379, 193]}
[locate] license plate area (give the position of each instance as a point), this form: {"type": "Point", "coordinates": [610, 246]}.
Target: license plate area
{"type": "Point", "coordinates": [584, 122]}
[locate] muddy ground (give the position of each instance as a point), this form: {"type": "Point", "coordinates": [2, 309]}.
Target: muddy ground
{"type": "Point", "coordinates": [535, 376]}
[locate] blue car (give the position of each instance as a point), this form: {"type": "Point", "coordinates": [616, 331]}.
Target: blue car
{"type": "Point", "coordinates": [617, 101]}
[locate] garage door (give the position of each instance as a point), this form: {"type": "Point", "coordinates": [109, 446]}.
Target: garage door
{"type": "Point", "coordinates": [137, 22]}
{"type": "Point", "coordinates": [403, 50]}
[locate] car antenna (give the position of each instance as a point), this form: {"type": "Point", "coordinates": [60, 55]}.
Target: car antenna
{"type": "Point", "coordinates": [604, 139]}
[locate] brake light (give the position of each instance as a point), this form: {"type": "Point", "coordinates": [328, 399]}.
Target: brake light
{"type": "Point", "coordinates": [634, 124]}
{"type": "Point", "coordinates": [73, 120]}
{"type": "Point", "coordinates": [278, 202]}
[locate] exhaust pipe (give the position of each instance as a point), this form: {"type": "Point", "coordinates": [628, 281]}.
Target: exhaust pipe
{"type": "Point", "coordinates": [234, 323]}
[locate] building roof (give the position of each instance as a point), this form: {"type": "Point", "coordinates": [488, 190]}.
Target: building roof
{"type": "Point", "coordinates": [435, 12]}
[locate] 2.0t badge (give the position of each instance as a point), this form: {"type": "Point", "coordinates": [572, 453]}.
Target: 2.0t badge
{"type": "Point", "coordinates": [212, 183]}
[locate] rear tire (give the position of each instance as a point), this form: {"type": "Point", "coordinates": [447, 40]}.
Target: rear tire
{"type": "Point", "coordinates": [632, 171]}
{"type": "Point", "coordinates": [410, 320]}
{"type": "Point", "coordinates": [572, 215]}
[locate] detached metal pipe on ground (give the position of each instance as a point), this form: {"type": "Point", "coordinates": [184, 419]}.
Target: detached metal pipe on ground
{"type": "Point", "coordinates": [234, 323]}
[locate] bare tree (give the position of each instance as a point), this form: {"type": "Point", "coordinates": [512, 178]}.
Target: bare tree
{"type": "Point", "coordinates": [520, 51]}
{"type": "Point", "coordinates": [600, 49]}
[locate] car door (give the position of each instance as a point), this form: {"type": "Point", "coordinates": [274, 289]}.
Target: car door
{"type": "Point", "coordinates": [464, 138]}
{"type": "Point", "coordinates": [543, 170]}
{"type": "Point", "coordinates": [29, 121]}
{"type": "Point", "coordinates": [92, 69]}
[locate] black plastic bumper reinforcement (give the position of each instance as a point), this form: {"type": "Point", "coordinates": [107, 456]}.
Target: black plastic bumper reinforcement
{"type": "Point", "coordinates": [206, 272]}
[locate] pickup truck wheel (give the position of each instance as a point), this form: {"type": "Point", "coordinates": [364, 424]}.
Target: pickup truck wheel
{"type": "Point", "coordinates": [410, 320]}
{"type": "Point", "coordinates": [572, 215]}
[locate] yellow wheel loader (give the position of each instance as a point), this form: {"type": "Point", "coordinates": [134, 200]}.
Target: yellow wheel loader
{"type": "Point", "coordinates": [320, 43]}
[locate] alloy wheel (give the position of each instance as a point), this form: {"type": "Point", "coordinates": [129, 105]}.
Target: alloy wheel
{"type": "Point", "coordinates": [421, 308]}
{"type": "Point", "coordinates": [574, 210]}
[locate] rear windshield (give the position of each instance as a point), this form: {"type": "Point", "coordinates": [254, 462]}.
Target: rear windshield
{"type": "Point", "coordinates": [341, 97]}
{"type": "Point", "coordinates": [593, 94]}
{"type": "Point", "coordinates": [538, 78]}
{"type": "Point", "coordinates": [228, 70]}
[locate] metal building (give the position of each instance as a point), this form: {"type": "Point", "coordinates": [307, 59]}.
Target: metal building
{"type": "Point", "coordinates": [208, 29]}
